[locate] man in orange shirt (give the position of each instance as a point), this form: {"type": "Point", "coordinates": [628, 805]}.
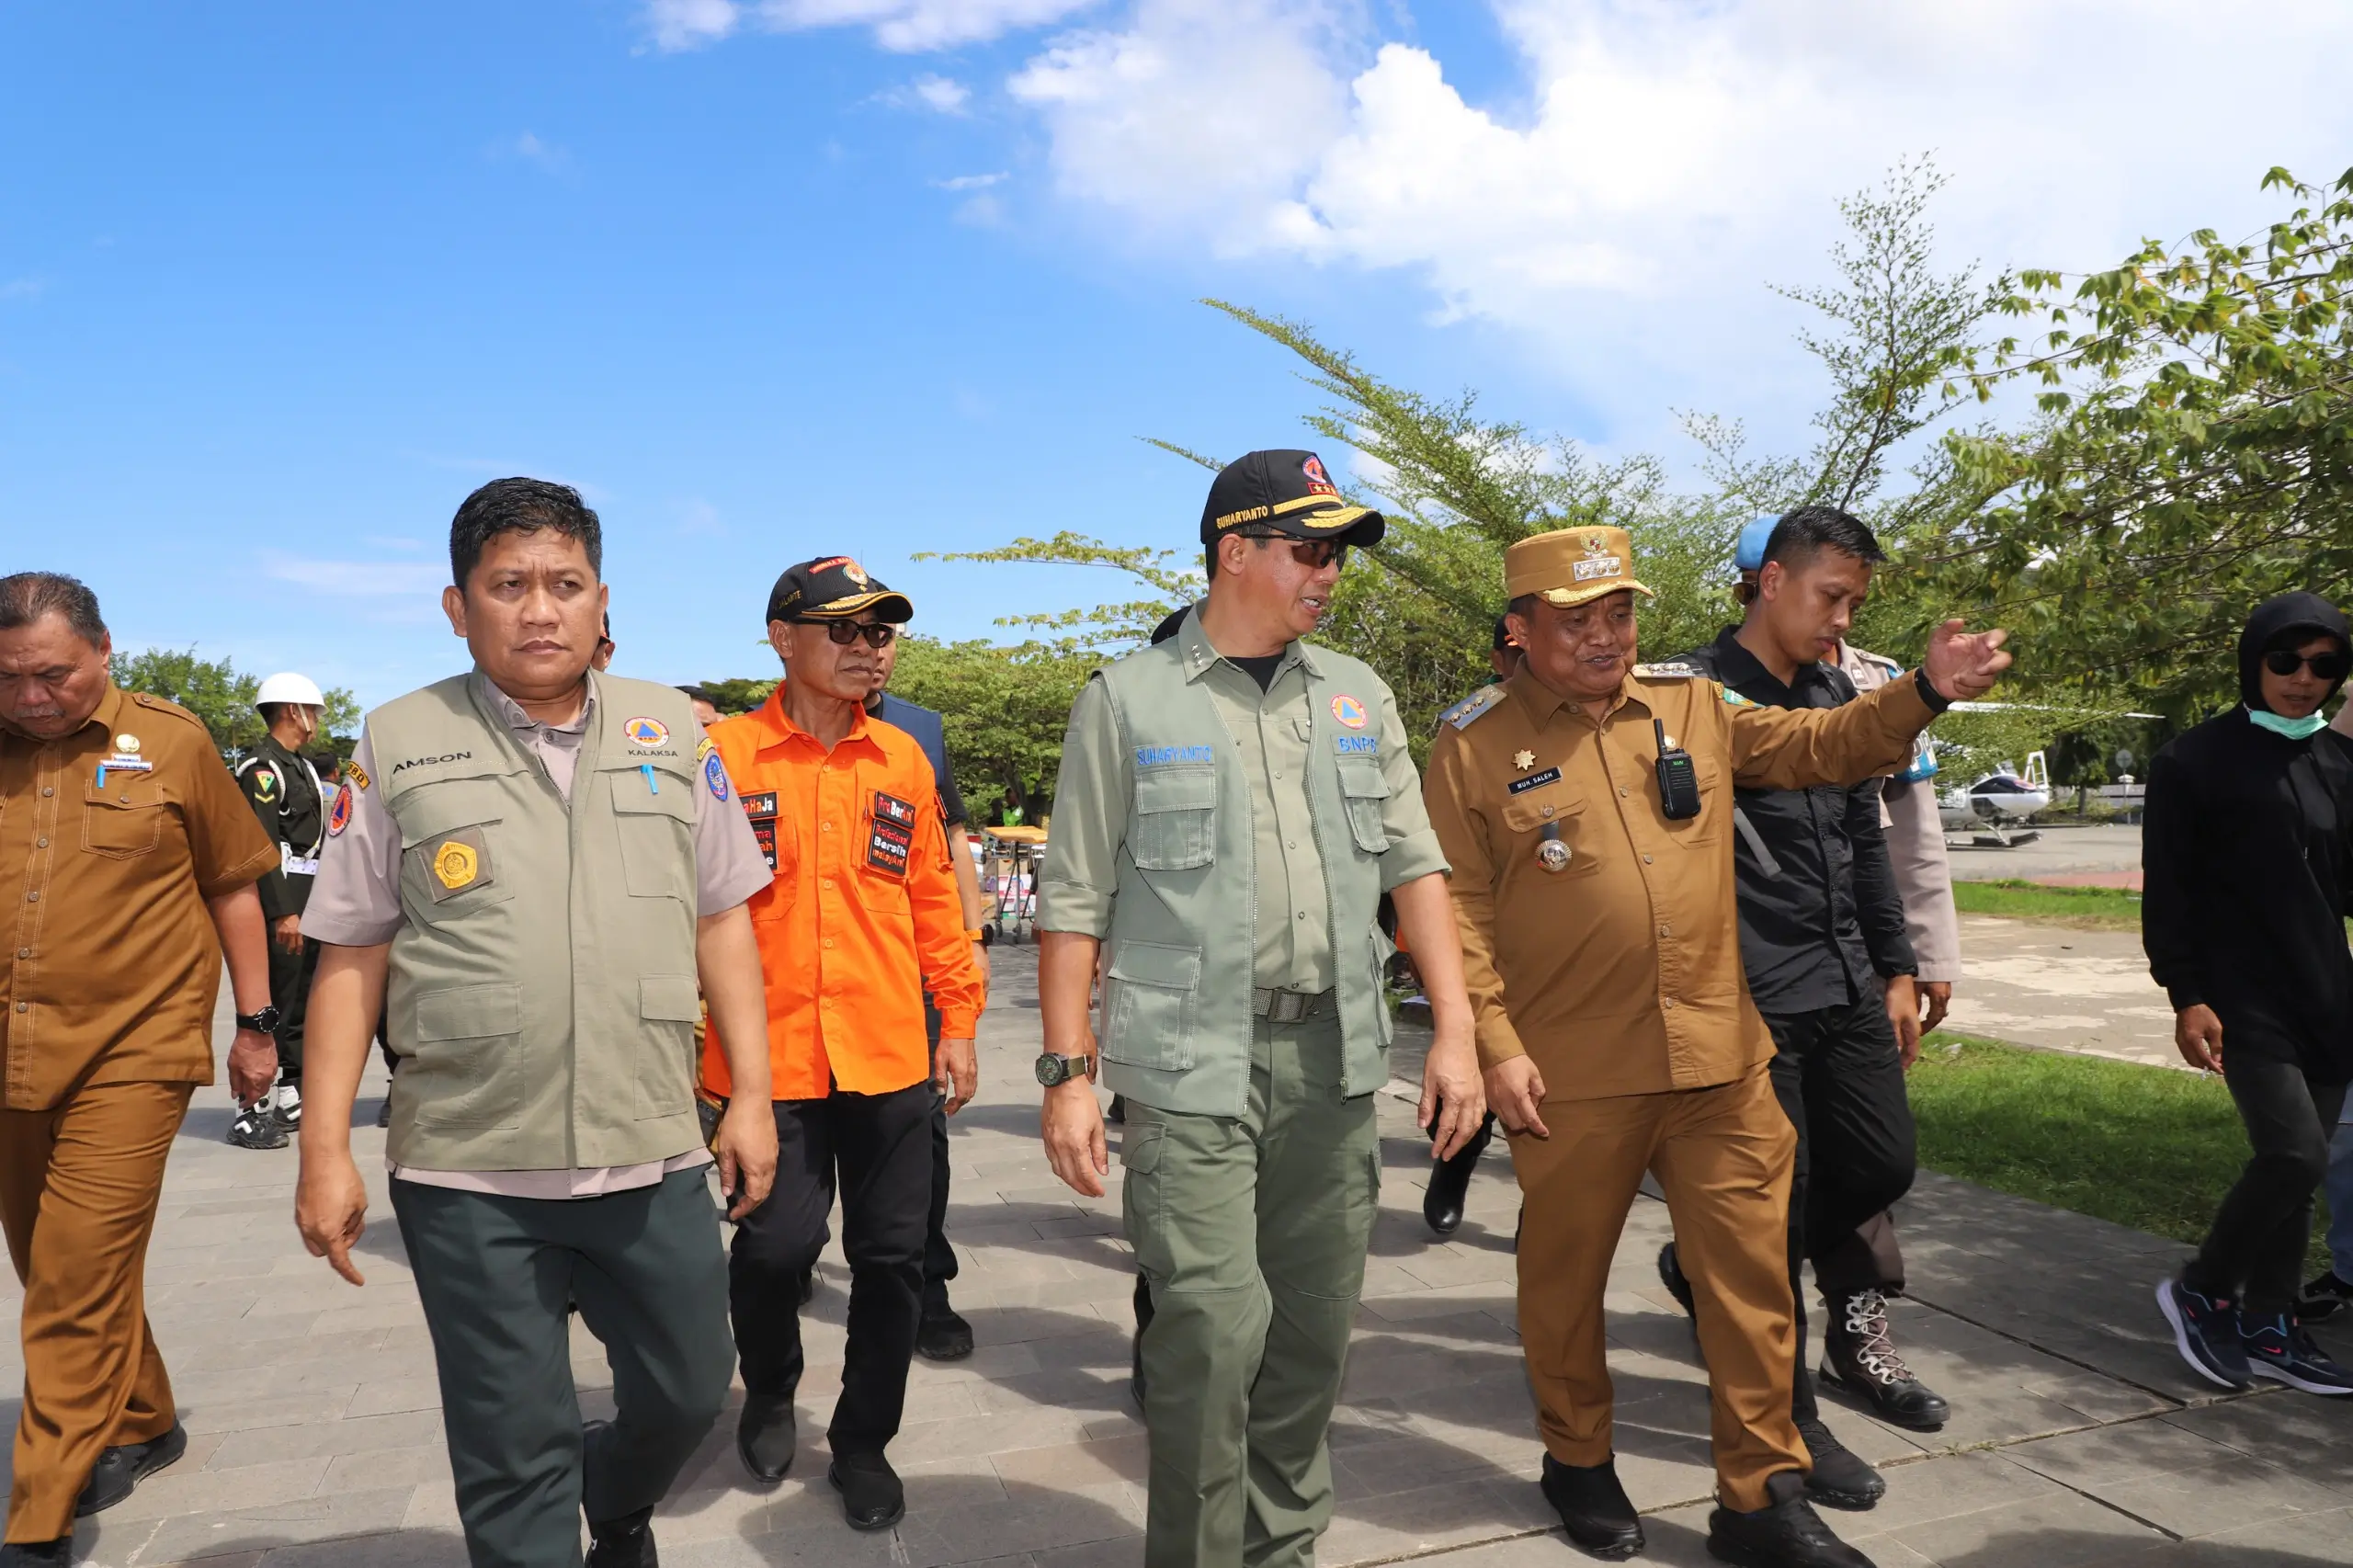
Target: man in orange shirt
{"type": "Point", "coordinates": [861, 919]}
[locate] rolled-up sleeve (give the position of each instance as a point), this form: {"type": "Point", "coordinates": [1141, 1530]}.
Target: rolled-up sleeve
{"type": "Point", "coordinates": [1414, 851]}
{"type": "Point", "coordinates": [1091, 799]}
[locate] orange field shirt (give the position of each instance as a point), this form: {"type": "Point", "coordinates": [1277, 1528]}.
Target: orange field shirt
{"type": "Point", "coordinates": [862, 916]}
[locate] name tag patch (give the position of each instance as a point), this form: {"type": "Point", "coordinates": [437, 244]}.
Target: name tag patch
{"type": "Point", "coordinates": [890, 808]}
{"type": "Point", "coordinates": [887, 847]}
{"type": "Point", "coordinates": [1353, 745]}
{"type": "Point", "coordinates": [1167, 756]}
{"type": "Point", "coordinates": [1534, 781]}
{"type": "Point", "coordinates": [761, 809]}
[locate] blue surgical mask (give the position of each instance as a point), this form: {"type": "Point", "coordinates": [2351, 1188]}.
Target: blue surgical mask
{"type": "Point", "coordinates": [2302, 729]}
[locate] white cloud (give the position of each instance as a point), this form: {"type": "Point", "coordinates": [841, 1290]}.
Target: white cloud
{"type": "Point", "coordinates": [941, 93]}
{"type": "Point", "coordinates": [903, 26]}
{"type": "Point", "coordinates": [970, 182]}
{"type": "Point", "coordinates": [358, 579]}
{"type": "Point", "coordinates": [22, 287]}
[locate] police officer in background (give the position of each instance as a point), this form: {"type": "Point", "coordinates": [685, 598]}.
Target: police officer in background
{"type": "Point", "coordinates": [1588, 814]}
{"type": "Point", "coordinates": [284, 790]}
{"type": "Point", "coordinates": [1235, 768]}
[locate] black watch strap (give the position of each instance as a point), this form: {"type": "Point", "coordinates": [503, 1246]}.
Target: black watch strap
{"type": "Point", "coordinates": [263, 1022]}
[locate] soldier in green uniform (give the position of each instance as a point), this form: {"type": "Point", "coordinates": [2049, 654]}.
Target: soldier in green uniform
{"type": "Point", "coordinates": [1232, 803]}
{"type": "Point", "coordinates": [284, 790]}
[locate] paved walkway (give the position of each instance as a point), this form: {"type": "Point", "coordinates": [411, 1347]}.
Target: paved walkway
{"type": "Point", "coordinates": [2080, 1438]}
{"type": "Point", "coordinates": [2039, 983]}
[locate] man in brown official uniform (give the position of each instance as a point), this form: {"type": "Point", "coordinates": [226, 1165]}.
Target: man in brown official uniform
{"type": "Point", "coordinates": [1584, 806]}
{"type": "Point", "coordinates": [128, 856]}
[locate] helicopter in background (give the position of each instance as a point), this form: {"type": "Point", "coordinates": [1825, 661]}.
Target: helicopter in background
{"type": "Point", "coordinates": [1992, 810]}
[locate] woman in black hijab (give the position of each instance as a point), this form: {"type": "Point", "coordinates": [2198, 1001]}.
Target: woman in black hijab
{"type": "Point", "coordinates": [2247, 852]}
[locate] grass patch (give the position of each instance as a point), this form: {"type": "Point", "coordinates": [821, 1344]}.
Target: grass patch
{"type": "Point", "coordinates": [2144, 1146]}
{"type": "Point", "coordinates": [2114, 909]}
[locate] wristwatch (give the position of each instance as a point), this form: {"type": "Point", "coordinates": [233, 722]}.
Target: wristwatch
{"type": "Point", "coordinates": [263, 1022]}
{"type": "Point", "coordinates": [1053, 1069]}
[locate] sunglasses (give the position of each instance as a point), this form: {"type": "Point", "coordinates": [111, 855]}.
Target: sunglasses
{"type": "Point", "coordinates": [2325, 666]}
{"type": "Point", "coordinates": [842, 634]}
{"type": "Point", "coordinates": [1312, 553]}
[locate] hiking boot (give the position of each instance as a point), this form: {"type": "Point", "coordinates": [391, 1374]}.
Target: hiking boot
{"type": "Point", "coordinates": [872, 1498]}
{"type": "Point", "coordinates": [287, 1111]}
{"type": "Point", "coordinates": [2278, 1347]}
{"type": "Point", "coordinates": [2206, 1332]}
{"type": "Point", "coordinates": [2324, 1298]}
{"type": "Point", "coordinates": [625, 1542]}
{"type": "Point", "coordinates": [256, 1128]}
{"type": "Point", "coordinates": [1858, 1357]}
{"type": "Point", "coordinates": [1840, 1478]}
{"type": "Point", "coordinates": [1594, 1508]}
{"type": "Point", "coordinates": [942, 1334]}
{"type": "Point", "coordinates": [1786, 1534]}
{"type": "Point", "coordinates": [1670, 1274]}
{"type": "Point", "coordinates": [119, 1469]}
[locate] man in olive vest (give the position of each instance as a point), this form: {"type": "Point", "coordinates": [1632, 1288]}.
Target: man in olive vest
{"type": "Point", "coordinates": [542, 864]}
{"type": "Point", "coordinates": [1233, 767]}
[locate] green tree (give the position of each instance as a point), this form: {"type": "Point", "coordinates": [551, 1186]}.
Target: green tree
{"type": "Point", "coordinates": [216, 691]}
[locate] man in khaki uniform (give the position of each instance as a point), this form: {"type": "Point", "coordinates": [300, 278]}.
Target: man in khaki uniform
{"type": "Point", "coordinates": [1585, 808]}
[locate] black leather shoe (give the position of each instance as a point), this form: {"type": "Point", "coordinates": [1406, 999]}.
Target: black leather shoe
{"type": "Point", "coordinates": [766, 1437]}
{"type": "Point", "coordinates": [1670, 1274]}
{"type": "Point", "coordinates": [1594, 1509]}
{"type": "Point", "coordinates": [28, 1553]}
{"type": "Point", "coordinates": [625, 1542]}
{"type": "Point", "coordinates": [872, 1498]}
{"type": "Point", "coordinates": [1858, 1358]}
{"type": "Point", "coordinates": [808, 1286]}
{"type": "Point", "coordinates": [1840, 1478]}
{"type": "Point", "coordinates": [121, 1470]}
{"type": "Point", "coordinates": [1788, 1534]}
{"type": "Point", "coordinates": [1449, 1184]}
{"type": "Point", "coordinates": [943, 1334]}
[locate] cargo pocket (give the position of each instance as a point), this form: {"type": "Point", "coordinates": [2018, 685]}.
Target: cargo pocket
{"type": "Point", "coordinates": [1175, 824]}
{"type": "Point", "coordinates": [1150, 1005]}
{"type": "Point", "coordinates": [1364, 790]}
{"type": "Point", "coordinates": [1139, 1197]}
{"type": "Point", "coordinates": [468, 1071]}
{"type": "Point", "coordinates": [668, 1005]}
{"type": "Point", "coordinates": [1526, 816]}
{"type": "Point", "coordinates": [452, 859]}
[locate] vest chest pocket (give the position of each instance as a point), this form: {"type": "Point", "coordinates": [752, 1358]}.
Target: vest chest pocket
{"type": "Point", "coordinates": [1174, 826]}
{"type": "Point", "coordinates": [1150, 1005]}
{"type": "Point", "coordinates": [655, 820]}
{"type": "Point", "coordinates": [466, 1070]}
{"type": "Point", "coordinates": [124, 822]}
{"type": "Point", "coordinates": [1365, 791]}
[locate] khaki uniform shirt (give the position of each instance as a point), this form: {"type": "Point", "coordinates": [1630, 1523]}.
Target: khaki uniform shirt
{"type": "Point", "coordinates": [113, 963]}
{"type": "Point", "coordinates": [1294, 946]}
{"type": "Point", "coordinates": [1620, 972]}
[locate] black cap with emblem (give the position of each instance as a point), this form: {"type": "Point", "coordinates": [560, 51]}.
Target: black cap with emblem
{"type": "Point", "coordinates": [834, 588]}
{"type": "Point", "coordinates": [1289, 493]}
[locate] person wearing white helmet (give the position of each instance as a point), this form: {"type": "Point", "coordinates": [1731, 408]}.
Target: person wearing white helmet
{"type": "Point", "coordinates": [286, 794]}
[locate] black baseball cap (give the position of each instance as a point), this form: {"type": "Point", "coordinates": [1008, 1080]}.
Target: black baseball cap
{"type": "Point", "coordinates": [834, 588]}
{"type": "Point", "coordinates": [1290, 492]}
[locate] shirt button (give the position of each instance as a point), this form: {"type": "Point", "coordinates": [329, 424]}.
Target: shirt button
{"type": "Point", "coordinates": [47, 791]}
{"type": "Point", "coordinates": [24, 952]}
{"type": "Point", "coordinates": [1547, 810]}
{"type": "Point", "coordinates": [32, 898]}
{"type": "Point", "coordinates": [1302, 915]}
{"type": "Point", "coordinates": [1646, 859]}
{"type": "Point", "coordinates": [1669, 1003]}
{"type": "Point", "coordinates": [826, 826]}
{"type": "Point", "coordinates": [24, 1006]}
{"type": "Point", "coordinates": [1621, 794]}
{"type": "Point", "coordinates": [1667, 930]}
{"type": "Point", "coordinates": [40, 843]}
{"type": "Point", "coordinates": [829, 941]}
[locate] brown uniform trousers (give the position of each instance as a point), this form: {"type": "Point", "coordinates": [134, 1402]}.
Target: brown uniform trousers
{"type": "Point", "coordinates": [79, 1185]}
{"type": "Point", "coordinates": [1723, 1158]}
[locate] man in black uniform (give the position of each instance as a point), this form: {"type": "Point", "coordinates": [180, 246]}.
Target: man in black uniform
{"type": "Point", "coordinates": [285, 793]}
{"type": "Point", "coordinates": [1824, 942]}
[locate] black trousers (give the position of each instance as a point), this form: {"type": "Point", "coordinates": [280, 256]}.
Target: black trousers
{"type": "Point", "coordinates": [880, 1146]}
{"type": "Point", "coordinates": [290, 988]}
{"type": "Point", "coordinates": [1839, 1077]}
{"type": "Point", "coordinates": [939, 1257]}
{"type": "Point", "coordinates": [2255, 1251]}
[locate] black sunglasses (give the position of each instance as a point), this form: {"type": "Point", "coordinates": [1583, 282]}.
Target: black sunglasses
{"type": "Point", "coordinates": [1312, 553]}
{"type": "Point", "coordinates": [2325, 666]}
{"type": "Point", "coordinates": [878, 633]}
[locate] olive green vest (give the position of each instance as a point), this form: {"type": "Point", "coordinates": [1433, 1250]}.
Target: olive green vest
{"type": "Point", "coordinates": [543, 990]}
{"type": "Point", "coordinates": [1182, 949]}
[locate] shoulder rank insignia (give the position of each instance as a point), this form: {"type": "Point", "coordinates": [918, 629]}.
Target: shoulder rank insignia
{"type": "Point", "coordinates": [1477, 705]}
{"type": "Point", "coordinates": [1669, 671]}
{"type": "Point", "coordinates": [1736, 699]}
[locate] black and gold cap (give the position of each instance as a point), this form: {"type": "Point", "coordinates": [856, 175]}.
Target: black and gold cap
{"type": "Point", "coordinates": [834, 588]}
{"type": "Point", "coordinates": [1289, 491]}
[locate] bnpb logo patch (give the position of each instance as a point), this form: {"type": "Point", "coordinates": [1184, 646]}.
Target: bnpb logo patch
{"type": "Point", "coordinates": [1348, 711]}
{"type": "Point", "coordinates": [646, 731]}
{"type": "Point", "coordinates": [714, 774]}
{"type": "Point", "coordinates": [339, 814]}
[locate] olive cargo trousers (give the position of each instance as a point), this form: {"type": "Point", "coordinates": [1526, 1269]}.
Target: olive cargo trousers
{"type": "Point", "coordinates": [1252, 1232]}
{"type": "Point", "coordinates": [1723, 1156]}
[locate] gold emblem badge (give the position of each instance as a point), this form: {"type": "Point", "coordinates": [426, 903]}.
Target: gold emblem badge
{"type": "Point", "coordinates": [855, 573]}
{"type": "Point", "coordinates": [127, 744]}
{"type": "Point", "coordinates": [1553, 855]}
{"type": "Point", "coordinates": [1594, 544]}
{"type": "Point", "coordinates": [456, 865]}
{"type": "Point", "coordinates": [1523, 760]}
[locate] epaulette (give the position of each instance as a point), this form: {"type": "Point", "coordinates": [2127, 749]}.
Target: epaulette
{"type": "Point", "coordinates": [163, 705]}
{"type": "Point", "coordinates": [1473, 708]}
{"type": "Point", "coordinates": [1672, 670]}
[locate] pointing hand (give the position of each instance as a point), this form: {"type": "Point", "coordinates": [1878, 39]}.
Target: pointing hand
{"type": "Point", "coordinates": [1962, 665]}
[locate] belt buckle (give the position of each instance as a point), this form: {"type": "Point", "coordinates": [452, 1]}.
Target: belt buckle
{"type": "Point", "coordinates": [1289, 1007]}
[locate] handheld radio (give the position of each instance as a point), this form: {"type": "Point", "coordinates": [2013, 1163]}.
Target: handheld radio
{"type": "Point", "coordinates": [1678, 778]}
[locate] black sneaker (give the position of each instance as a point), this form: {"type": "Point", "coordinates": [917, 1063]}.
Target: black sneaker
{"type": "Point", "coordinates": [1670, 1274]}
{"type": "Point", "coordinates": [1858, 1357]}
{"type": "Point", "coordinates": [942, 1334]}
{"type": "Point", "coordinates": [2278, 1348]}
{"type": "Point", "coordinates": [1594, 1509]}
{"type": "Point", "coordinates": [2206, 1332]}
{"type": "Point", "coordinates": [384, 1111]}
{"type": "Point", "coordinates": [1787, 1534]}
{"type": "Point", "coordinates": [121, 1470]}
{"type": "Point", "coordinates": [256, 1128]}
{"type": "Point", "coordinates": [2324, 1298]}
{"type": "Point", "coordinates": [1840, 1478]}
{"type": "Point", "coordinates": [288, 1110]}
{"type": "Point", "coordinates": [872, 1498]}
{"type": "Point", "coordinates": [625, 1542]}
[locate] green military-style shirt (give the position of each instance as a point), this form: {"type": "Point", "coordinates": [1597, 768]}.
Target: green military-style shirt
{"type": "Point", "coordinates": [1270, 732]}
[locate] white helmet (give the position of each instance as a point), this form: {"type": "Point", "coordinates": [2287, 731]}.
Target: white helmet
{"type": "Point", "coordinates": [288, 686]}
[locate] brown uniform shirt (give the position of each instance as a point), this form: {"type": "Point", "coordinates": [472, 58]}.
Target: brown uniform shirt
{"type": "Point", "coordinates": [1620, 972]}
{"type": "Point", "coordinates": [113, 964]}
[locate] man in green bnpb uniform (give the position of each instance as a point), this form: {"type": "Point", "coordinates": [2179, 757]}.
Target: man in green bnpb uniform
{"type": "Point", "coordinates": [1231, 806]}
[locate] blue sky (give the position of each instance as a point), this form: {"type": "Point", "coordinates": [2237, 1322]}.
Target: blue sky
{"type": "Point", "coordinates": [280, 283]}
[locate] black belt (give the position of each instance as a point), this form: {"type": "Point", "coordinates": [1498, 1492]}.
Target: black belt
{"type": "Point", "coordinates": [1294, 1006]}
